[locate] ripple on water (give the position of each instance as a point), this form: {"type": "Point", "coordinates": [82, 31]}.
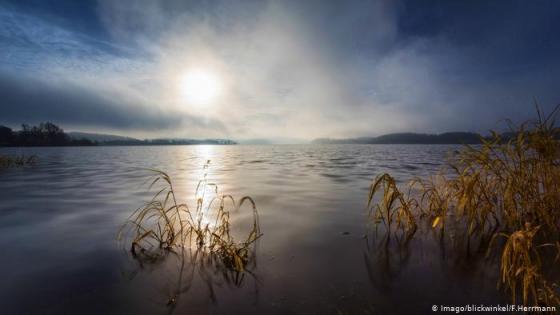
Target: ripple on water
{"type": "Point", "coordinates": [65, 211]}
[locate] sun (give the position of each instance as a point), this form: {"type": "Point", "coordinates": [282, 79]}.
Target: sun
{"type": "Point", "coordinates": [200, 87]}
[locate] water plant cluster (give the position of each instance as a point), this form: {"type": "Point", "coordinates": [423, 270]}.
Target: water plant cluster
{"type": "Point", "coordinates": [505, 195]}
{"type": "Point", "coordinates": [7, 161]}
{"type": "Point", "coordinates": [164, 225]}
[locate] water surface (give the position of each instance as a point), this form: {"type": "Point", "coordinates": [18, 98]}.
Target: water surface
{"type": "Point", "coordinates": [59, 220]}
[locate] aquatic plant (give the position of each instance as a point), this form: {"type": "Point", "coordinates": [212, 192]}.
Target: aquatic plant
{"type": "Point", "coordinates": [17, 161]}
{"type": "Point", "coordinates": [163, 224]}
{"type": "Point", "coordinates": [521, 263]}
{"type": "Point", "coordinates": [504, 187]}
{"type": "Point", "coordinates": [395, 206]}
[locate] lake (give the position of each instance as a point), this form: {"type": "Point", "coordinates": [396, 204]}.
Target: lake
{"type": "Point", "coordinates": [59, 221]}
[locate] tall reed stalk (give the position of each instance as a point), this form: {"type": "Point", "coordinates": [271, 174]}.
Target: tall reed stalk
{"type": "Point", "coordinates": [163, 224]}
{"type": "Point", "coordinates": [503, 188]}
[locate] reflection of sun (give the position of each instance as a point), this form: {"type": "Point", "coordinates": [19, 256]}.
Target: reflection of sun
{"type": "Point", "coordinates": [199, 87]}
{"type": "Point", "coordinates": [204, 152]}
{"type": "Point", "coordinates": [206, 193]}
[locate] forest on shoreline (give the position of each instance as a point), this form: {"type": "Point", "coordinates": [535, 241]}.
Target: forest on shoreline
{"type": "Point", "coordinates": [49, 134]}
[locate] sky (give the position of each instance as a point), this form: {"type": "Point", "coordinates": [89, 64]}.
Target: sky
{"type": "Point", "coordinates": [277, 69]}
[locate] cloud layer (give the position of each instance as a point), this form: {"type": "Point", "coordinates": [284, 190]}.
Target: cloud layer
{"type": "Point", "coordinates": [300, 69]}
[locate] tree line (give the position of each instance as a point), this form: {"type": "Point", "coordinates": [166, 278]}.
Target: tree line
{"type": "Point", "coordinates": [44, 134]}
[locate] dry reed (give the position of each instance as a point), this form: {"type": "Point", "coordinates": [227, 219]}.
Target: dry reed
{"type": "Point", "coordinates": [504, 187]}
{"type": "Point", "coordinates": [163, 224]}
{"type": "Point", "coordinates": [17, 161]}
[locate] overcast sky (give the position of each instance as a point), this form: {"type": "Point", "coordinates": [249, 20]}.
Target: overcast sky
{"type": "Point", "coordinates": [290, 69]}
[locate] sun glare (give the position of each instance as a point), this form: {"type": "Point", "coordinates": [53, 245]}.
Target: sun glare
{"type": "Point", "coordinates": [200, 87]}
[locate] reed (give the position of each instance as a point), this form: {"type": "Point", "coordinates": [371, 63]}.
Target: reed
{"type": "Point", "coordinates": [504, 187]}
{"type": "Point", "coordinates": [395, 208]}
{"type": "Point", "coordinates": [163, 224]}
{"type": "Point", "coordinates": [521, 266]}
{"type": "Point", "coordinates": [17, 161]}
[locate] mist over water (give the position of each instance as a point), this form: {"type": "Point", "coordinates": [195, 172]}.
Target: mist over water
{"type": "Point", "coordinates": [59, 220]}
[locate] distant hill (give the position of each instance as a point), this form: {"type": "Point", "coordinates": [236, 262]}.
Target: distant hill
{"type": "Point", "coordinates": [186, 141]}
{"type": "Point", "coordinates": [106, 139]}
{"type": "Point", "coordinates": [49, 134]}
{"type": "Point", "coordinates": [410, 138]}
{"type": "Point", "coordinates": [41, 135]}
{"type": "Point", "coordinates": [98, 137]}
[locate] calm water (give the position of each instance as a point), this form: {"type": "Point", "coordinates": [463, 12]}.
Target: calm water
{"type": "Point", "coordinates": [59, 219]}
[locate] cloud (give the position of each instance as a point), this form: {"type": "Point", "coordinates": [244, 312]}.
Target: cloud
{"type": "Point", "coordinates": [49, 73]}
{"type": "Point", "coordinates": [300, 69]}
{"type": "Point", "coordinates": [32, 101]}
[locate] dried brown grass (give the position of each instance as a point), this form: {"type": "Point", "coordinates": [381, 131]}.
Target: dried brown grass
{"type": "Point", "coordinates": [163, 224]}
{"type": "Point", "coordinates": [504, 187]}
